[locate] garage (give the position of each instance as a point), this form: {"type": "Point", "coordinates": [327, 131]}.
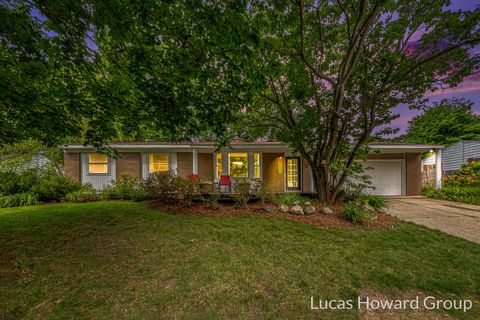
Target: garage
{"type": "Point", "coordinates": [386, 177]}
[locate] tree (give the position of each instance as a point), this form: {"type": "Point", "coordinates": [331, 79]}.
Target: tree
{"type": "Point", "coordinates": [444, 123]}
{"type": "Point", "coordinates": [335, 70]}
{"type": "Point", "coordinates": [97, 70]}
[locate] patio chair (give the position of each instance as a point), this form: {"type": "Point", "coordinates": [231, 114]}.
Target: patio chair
{"type": "Point", "coordinates": [225, 184]}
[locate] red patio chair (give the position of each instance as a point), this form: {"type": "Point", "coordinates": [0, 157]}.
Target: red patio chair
{"type": "Point", "coordinates": [225, 182]}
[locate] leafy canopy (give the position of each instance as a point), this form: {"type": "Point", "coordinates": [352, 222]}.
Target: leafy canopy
{"type": "Point", "coordinates": [446, 122]}
{"type": "Point", "coordinates": [105, 70]}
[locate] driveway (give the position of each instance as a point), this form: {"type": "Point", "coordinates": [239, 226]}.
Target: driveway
{"type": "Point", "coordinates": [458, 219]}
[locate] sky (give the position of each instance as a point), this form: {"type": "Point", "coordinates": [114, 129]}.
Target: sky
{"type": "Point", "coordinates": [468, 89]}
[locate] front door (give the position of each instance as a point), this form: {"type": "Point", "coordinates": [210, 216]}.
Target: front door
{"type": "Point", "coordinates": [293, 173]}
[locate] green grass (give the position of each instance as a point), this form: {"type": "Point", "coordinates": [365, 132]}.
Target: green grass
{"type": "Point", "coordinates": [123, 260]}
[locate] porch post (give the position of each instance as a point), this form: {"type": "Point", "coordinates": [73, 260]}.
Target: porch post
{"type": "Point", "coordinates": [195, 161]}
{"type": "Point", "coordinates": [438, 168]}
{"type": "Point", "coordinates": [250, 165]}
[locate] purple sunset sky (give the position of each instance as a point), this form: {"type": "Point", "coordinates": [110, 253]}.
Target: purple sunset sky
{"type": "Point", "coordinates": [468, 89]}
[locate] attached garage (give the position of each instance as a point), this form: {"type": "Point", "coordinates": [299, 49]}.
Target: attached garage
{"type": "Point", "coordinates": [387, 177]}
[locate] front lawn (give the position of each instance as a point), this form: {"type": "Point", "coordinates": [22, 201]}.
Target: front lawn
{"type": "Point", "coordinates": [123, 260]}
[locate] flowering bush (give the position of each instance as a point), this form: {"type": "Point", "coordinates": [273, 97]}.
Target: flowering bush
{"type": "Point", "coordinates": [468, 175]}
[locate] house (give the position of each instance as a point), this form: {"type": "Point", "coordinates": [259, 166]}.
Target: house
{"type": "Point", "coordinates": [453, 157]}
{"type": "Point", "coordinates": [394, 167]}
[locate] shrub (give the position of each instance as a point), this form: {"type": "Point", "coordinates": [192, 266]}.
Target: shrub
{"type": "Point", "coordinates": [289, 199]}
{"type": "Point", "coordinates": [126, 188]}
{"type": "Point", "coordinates": [86, 194]}
{"type": "Point", "coordinates": [210, 200]}
{"type": "Point", "coordinates": [242, 193]}
{"type": "Point", "coordinates": [54, 186]}
{"type": "Point", "coordinates": [376, 202]}
{"type": "Point", "coordinates": [469, 195]}
{"type": "Point", "coordinates": [468, 175]}
{"type": "Point", "coordinates": [354, 213]}
{"type": "Point", "coordinates": [162, 185]}
{"type": "Point", "coordinates": [188, 188]}
{"type": "Point", "coordinates": [18, 199]}
{"type": "Point", "coordinates": [12, 182]}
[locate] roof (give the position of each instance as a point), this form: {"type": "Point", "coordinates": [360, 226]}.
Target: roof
{"type": "Point", "coordinates": [393, 147]}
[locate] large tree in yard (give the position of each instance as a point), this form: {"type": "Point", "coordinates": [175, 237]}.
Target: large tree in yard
{"type": "Point", "coordinates": [96, 70]}
{"type": "Point", "coordinates": [335, 69]}
{"type": "Point", "coordinates": [446, 122]}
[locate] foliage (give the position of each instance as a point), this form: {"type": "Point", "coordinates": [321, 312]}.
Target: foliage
{"type": "Point", "coordinates": [446, 122]}
{"type": "Point", "coordinates": [123, 70]}
{"type": "Point", "coordinates": [18, 200]}
{"type": "Point", "coordinates": [188, 188]}
{"type": "Point", "coordinates": [161, 185]}
{"type": "Point", "coordinates": [126, 187]}
{"type": "Point", "coordinates": [376, 202]}
{"type": "Point", "coordinates": [242, 192]}
{"type": "Point", "coordinates": [468, 175]}
{"type": "Point", "coordinates": [12, 182]}
{"type": "Point", "coordinates": [86, 194]}
{"type": "Point", "coordinates": [355, 213]}
{"type": "Point", "coordinates": [54, 186]}
{"type": "Point", "coordinates": [263, 190]}
{"type": "Point", "coordinates": [30, 154]}
{"type": "Point", "coordinates": [335, 71]}
{"type": "Point", "coordinates": [289, 199]}
{"type": "Point", "coordinates": [469, 195]}
{"type": "Point", "coordinates": [210, 200]}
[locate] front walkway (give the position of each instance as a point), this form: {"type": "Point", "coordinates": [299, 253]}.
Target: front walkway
{"type": "Point", "coordinates": [458, 219]}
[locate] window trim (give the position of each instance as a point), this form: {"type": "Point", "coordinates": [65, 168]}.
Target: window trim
{"type": "Point", "coordinates": [109, 165]}
{"type": "Point", "coordinates": [299, 161]}
{"type": "Point", "coordinates": [148, 162]}
{"type": "Point", "coordinates": [216, 166]}
{"type": "Point", "coordinates": [260, 171]}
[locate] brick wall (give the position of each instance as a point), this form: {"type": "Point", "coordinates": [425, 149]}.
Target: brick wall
{"type": "Point", "coordinates": [72, 165]}
{"type": "Point", "coordinates": [128, 163]}
{"type": "Point", "coordinates": [413, 174]}
{"type": "Point", "coordinates": [205, 165]}
{"type": "Point", "coordinates": [184, 163]}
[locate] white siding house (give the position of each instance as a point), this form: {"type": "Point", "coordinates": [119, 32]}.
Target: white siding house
{"type": "Point", "coordinates": [455, 155]}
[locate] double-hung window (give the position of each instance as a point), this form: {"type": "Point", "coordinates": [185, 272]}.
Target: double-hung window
{"type": "Point", "coordinates": [157, 162]}
{"type": "Point", "coordinates": [98, 163]}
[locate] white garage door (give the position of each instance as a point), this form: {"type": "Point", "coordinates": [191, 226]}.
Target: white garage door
{"type": "Point", "coordinates": [386, 177]}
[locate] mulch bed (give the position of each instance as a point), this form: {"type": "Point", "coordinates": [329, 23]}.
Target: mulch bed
{"type": "Point", "coordinates": [255, 209]}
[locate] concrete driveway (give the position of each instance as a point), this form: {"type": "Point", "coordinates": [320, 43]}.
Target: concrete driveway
{"type": "Point", "coordinates": [458, 219]}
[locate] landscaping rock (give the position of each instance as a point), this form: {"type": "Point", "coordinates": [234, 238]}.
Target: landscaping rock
{"type": "Point", "coordinates": [381, 210]}
{"type": "Point", "coordinates": [326, 210]}
{"type": "Point", "coordinates": [309, 209]}
{"type": "Point", "coordinates": [307, 203]}
{"type": "Point", "coordinates": [296, 209]}
{"type": "Point", "coordinates": [296, 203]}
{"type": "Point", "coordinates": [268, 209]}
{"type": "Point", "coordinates": [283, 208]}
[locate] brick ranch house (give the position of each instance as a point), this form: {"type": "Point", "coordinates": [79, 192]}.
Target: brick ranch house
{"type": "Point", "coordinates": [395, 167]}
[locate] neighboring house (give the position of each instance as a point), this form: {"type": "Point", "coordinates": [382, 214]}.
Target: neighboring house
{"type": "Point", "coordinates": [453, 157]}
{"type": "Point", "coordinates": [395, 167]}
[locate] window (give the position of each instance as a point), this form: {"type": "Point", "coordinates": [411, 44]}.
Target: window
{"type": "Point", "coordinates": [158, 162]}
{"type": "Point", "coordinates": [238, 165]}
{"type": "Point", "coordinates": [256, 165]}
{"type": "Point", "coordinates": [219, 164]}
{"type": "Point", "coordinates": [97, 163]}
{"type": "Point", "coordinates": [293, 173]}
